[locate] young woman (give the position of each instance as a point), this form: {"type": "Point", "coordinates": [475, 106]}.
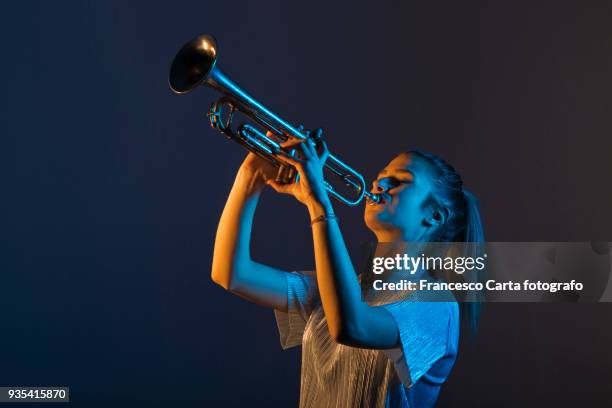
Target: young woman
{"type": "Point", "coordinates": [354, 353]}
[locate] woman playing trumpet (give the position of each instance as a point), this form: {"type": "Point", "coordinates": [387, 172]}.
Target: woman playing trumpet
{"type": "Point", "coordinates": [353, 353]}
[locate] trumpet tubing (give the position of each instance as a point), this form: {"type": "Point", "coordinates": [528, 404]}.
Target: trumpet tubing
{"type": "Point", "coordinates": [196, 64]}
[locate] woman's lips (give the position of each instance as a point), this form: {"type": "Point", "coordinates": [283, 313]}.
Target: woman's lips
{"type": "Point", "coordinates": [384, 198]}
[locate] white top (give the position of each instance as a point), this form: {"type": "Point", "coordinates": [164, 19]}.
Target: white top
{"type": "Point", "coordinates": [335, 375]}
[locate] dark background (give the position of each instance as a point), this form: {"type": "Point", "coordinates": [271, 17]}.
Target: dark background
{"type": "Point", "coordinates": [112, 185]}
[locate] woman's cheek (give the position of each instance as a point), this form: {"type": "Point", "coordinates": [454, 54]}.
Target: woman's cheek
{"type": "Point", "coordinates": [403, 208]}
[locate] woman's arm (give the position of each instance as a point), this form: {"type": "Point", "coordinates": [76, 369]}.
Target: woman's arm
{"type": "Point", "coordinates": [232, 266]}
{"type": "Point", "coordinates": [350, 320]}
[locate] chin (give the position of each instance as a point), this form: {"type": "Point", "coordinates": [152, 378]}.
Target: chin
{"type": "Point", "coordinates": [376, 220]}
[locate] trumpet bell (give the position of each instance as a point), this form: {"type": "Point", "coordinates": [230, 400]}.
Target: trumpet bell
{"type": "Point", "coordinates": [193, 63]}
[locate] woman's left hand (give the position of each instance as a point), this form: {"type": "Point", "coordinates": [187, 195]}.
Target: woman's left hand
{"type": "Point", "coordinates": [310, 189]}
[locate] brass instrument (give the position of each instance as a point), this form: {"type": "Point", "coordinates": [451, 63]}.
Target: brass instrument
{"type": "Point", "coordinates": [195, 64]}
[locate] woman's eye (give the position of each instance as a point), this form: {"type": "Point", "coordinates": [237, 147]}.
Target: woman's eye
{"type": "Point", "coordinates": [394, 182]}
{"type": "Point", "coordinates": [391, 182]}
{"type": "Point", "coordinates": [397, 181]}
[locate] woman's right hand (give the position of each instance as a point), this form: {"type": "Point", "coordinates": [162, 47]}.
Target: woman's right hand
{"type": "Point", "coordinates": [255, 171]}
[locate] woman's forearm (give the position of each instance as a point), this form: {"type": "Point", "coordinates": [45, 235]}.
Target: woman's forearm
{"type": "Point", "coordinates": [350, 320]}
{"type": "Point", "coordinates": [232, 243]}
{"type": "Point", "coordinates": [338, 284]}
{"type": "Point", "coordinates": [233, 267]}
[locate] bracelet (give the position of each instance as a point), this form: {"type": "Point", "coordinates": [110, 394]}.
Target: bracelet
{"type": "Point", "coordinates": [322, 218]}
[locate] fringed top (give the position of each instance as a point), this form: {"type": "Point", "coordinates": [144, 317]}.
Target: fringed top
{"type": "Point", "coordinates": [335, 375]}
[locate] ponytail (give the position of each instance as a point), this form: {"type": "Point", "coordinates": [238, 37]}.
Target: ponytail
{"type": "Point", "coordinates": [463, 226]}
{"type": "Point", "coordinates": [473, 224]}
{"type": "Point", "coordinates": [474, 238]}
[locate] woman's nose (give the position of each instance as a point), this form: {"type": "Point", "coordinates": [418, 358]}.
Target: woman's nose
{"type": "Point", "coordinates": [379, 185]}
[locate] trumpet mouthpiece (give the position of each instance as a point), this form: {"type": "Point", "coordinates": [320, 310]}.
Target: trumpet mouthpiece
{"type": "Point", "coordinates": [373, 198]}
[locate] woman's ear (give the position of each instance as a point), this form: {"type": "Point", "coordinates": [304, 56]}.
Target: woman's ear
{"type": "Point", "coordinates": [438, 217]}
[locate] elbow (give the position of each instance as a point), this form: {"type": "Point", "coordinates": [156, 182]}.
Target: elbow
{"type": "Point", "coordinates": [346, 334]}
{"type": "Point", "coordinates": [219, 279]}
{"type": "Point", "coordinates": [227, 276]}
{"type": "Point", "coordinates": [341, 337]}
{"type": "Point", "coordinates": [222, 272]}
{"type": "Point", "coordinates": [222, 277]}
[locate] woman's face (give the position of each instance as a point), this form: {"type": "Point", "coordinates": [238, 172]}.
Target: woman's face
{"type": "Point", "coordinates": [406, 208]}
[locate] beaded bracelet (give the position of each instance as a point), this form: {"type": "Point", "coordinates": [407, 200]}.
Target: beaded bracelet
{"type": "Point", "coordinates": [322, 218]}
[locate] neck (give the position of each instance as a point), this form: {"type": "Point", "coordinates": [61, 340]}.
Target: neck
{"type": "Point", "coordinates": [401, 235]}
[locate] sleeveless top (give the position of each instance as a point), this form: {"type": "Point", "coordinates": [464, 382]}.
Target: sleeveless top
{"type": "Point", "coordinates": [335, 375]}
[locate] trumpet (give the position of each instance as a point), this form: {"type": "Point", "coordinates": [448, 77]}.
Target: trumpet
{"type": "Point", "coordinates": [196, 64]}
